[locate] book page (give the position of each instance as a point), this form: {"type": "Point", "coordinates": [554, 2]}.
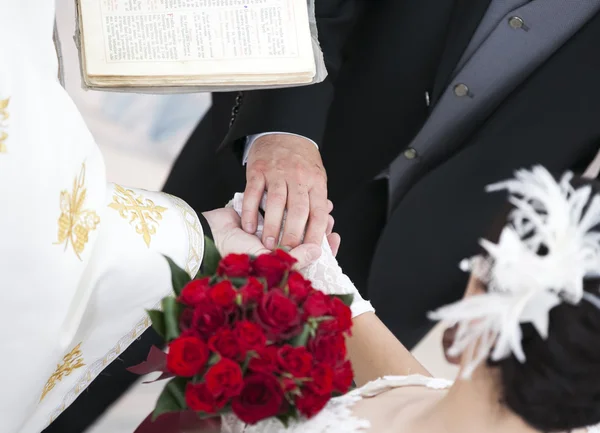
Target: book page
{"type": "Point", "coordinates": [195, 37]}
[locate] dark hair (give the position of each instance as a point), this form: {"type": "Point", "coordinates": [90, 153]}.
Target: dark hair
{"type": "Point", "coordinates": [558, 388]}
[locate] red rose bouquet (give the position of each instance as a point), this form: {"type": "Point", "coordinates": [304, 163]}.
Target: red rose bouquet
{"type": "Point", "coordinates": [252, 337]}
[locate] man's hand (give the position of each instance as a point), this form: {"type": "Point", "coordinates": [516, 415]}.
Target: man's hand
{"type": "Point", "coordinates": [290, 169]}
{"type": "Point", "coordinates": [230, 238]}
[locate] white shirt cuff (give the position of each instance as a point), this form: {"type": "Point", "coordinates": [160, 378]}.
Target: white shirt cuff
{"type": "Point", "coordinates": [252, 138]}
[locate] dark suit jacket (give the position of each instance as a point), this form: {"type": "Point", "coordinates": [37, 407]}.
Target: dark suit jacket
{"type": "Point", "coordinates": [382, 56]}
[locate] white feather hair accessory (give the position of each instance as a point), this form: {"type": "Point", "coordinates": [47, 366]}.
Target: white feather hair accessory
{"type": "Point", "coordinates": [541, 259]}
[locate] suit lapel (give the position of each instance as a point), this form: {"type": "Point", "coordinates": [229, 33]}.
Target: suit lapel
{"type": "Point", "coordinates": [466, 16]}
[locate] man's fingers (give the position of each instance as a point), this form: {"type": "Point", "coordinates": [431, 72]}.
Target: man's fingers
{"type": "Point", "coordinates": [276, 201]}
{"type": "Point", "coordinates": [318, 218]}
{"type": "Point", "coordinates": [329, 206]}
{"type": "Point", "coordinates": [330, 224]}
{"type": "Point", "coordinates": [298, 207]}
{"type": "Point", "coordinates": [253, 194]}
{"type": "Point", "coordinates": [334, 243]}
{"type": "Point", "coordinates": [305, 254]}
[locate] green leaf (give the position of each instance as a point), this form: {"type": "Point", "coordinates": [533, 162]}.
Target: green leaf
{"type": "Point", "coordinates": [158, 321]}
{"type": "Point", "coordinates": [172, 399]}
{"type": "Point", "coordinates": [171, 310]}
{"type": "Point", "coordinates": [314, 321]}
{"type": "Point", "coordinates": [214, 358]}
{"type": "Point", "coordinates": [179, 277]}
{"type": "Point", "coordinates": [251, 354]}
{"type": "Point", "coordinates": [211, 259]}
{"type": "Point", "coordinates": [346, 299]}
{"type": "Point", "coordinates": [287, 416]}
{"type": "Point", "coordinates": [285, 420]}
{"type": "Point", "coordinates": [238, 282]}
{"type": "Point", "coordinates": [302, 339]}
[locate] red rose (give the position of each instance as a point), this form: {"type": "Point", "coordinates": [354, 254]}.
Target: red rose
{"type": "Point", "coordinates": [261, 397]}
{"type": "Point", "coordinates": [309, 403]}
{"type": "Point", "coordinates": [299, 287]}
{"type": "Point", "coordinates": [226, 344]}
{"type": "Point", "coordinates": [194, 292]}
{"type": "Point", "coordinates": [223, 294]}
{"type": "Point", "coordinates": [199, 399]}
{"type": "Point", "coordinates": [318, 304]}
{"type": "Point", "coordinates": [187, 356]}
{"type": "Point", "coordinates": [208, 318]}
{"type": "Point", "coordinates": [249, 335]}
{"type": "Point", "coordinates": [342, 314]}
{"type": "Point", "coordinates": [252, 291]}
{"type": "Point", "coordinates": [322, 380]}
{"type": "Point", "coordinates": [265, 360]}
{"type": "Point", "coordinates": [342, 317]}
{"type": "Point", "coordinates": [278, 315]}
{"type": "Point", "coordinates": [272, 266]}
{"type": "Point", "coordinates": [286, 258]}
{"type": "Point", "coordinates": [295, 360]}
{"type": "Point", "coordinates": [328, 348]}
{"type": "Point", "coordinates": [189, 333]}
{"type": "Point", "coordinates": [186, 319]}
{"type": "Point", "coordinates": [235, 265]}
{"type": "Point", "coordinates": [224, 379]}
{"type": "Point", "coordinates": [343, 377]}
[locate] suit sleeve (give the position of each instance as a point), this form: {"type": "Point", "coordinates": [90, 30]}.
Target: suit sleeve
{"type": "Point", "coordinates": [298, 110]}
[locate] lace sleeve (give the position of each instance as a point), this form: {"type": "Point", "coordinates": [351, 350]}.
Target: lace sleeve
{"type": "Point", "coordinates": [325, 274]}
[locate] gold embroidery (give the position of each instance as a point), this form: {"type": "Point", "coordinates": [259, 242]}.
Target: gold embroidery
{"type": "Point", "coordinates": [141, 212]}
{"type": "Point", "coordinates": [96, 367]}
{"type": "Point", "coordinates": [71, 362]}
{"type": "Point", "coordinates": [75, 222]}
{"type": "Point", "coordinates": [3, 117]}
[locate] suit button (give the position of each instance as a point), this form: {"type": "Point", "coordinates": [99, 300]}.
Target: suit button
{"type": "Point", "coordinates": [461, 90]}
{"type": "Point", "coordinates": [410, 153]}
{"type": "Point", "coordinates": [516, 23]}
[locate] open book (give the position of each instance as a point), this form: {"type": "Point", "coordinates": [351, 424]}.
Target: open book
{"type": "Point", "coordinates": [201, 44]}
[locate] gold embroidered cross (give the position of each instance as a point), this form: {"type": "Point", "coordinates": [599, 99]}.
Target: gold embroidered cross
{"type": "Point", "coordinates": [142, 213]}
{"type": "Point", "coordinates": [71, 362]}
{"type": "Point", "coordinates": [3, 117]}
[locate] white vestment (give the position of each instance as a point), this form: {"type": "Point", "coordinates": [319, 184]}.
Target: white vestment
{"type": "Point", "coordinates": [80, 259]}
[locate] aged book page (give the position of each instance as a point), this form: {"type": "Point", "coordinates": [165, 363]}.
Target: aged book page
{"type": "Point", "coordinates": [195, 41]}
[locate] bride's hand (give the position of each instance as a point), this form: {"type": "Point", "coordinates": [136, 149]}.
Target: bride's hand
{"type": "Point", "coordinates": [230, 238]}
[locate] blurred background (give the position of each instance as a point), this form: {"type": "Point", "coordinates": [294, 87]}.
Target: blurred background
{"type": "Point", "coordinates": [140, 136]}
